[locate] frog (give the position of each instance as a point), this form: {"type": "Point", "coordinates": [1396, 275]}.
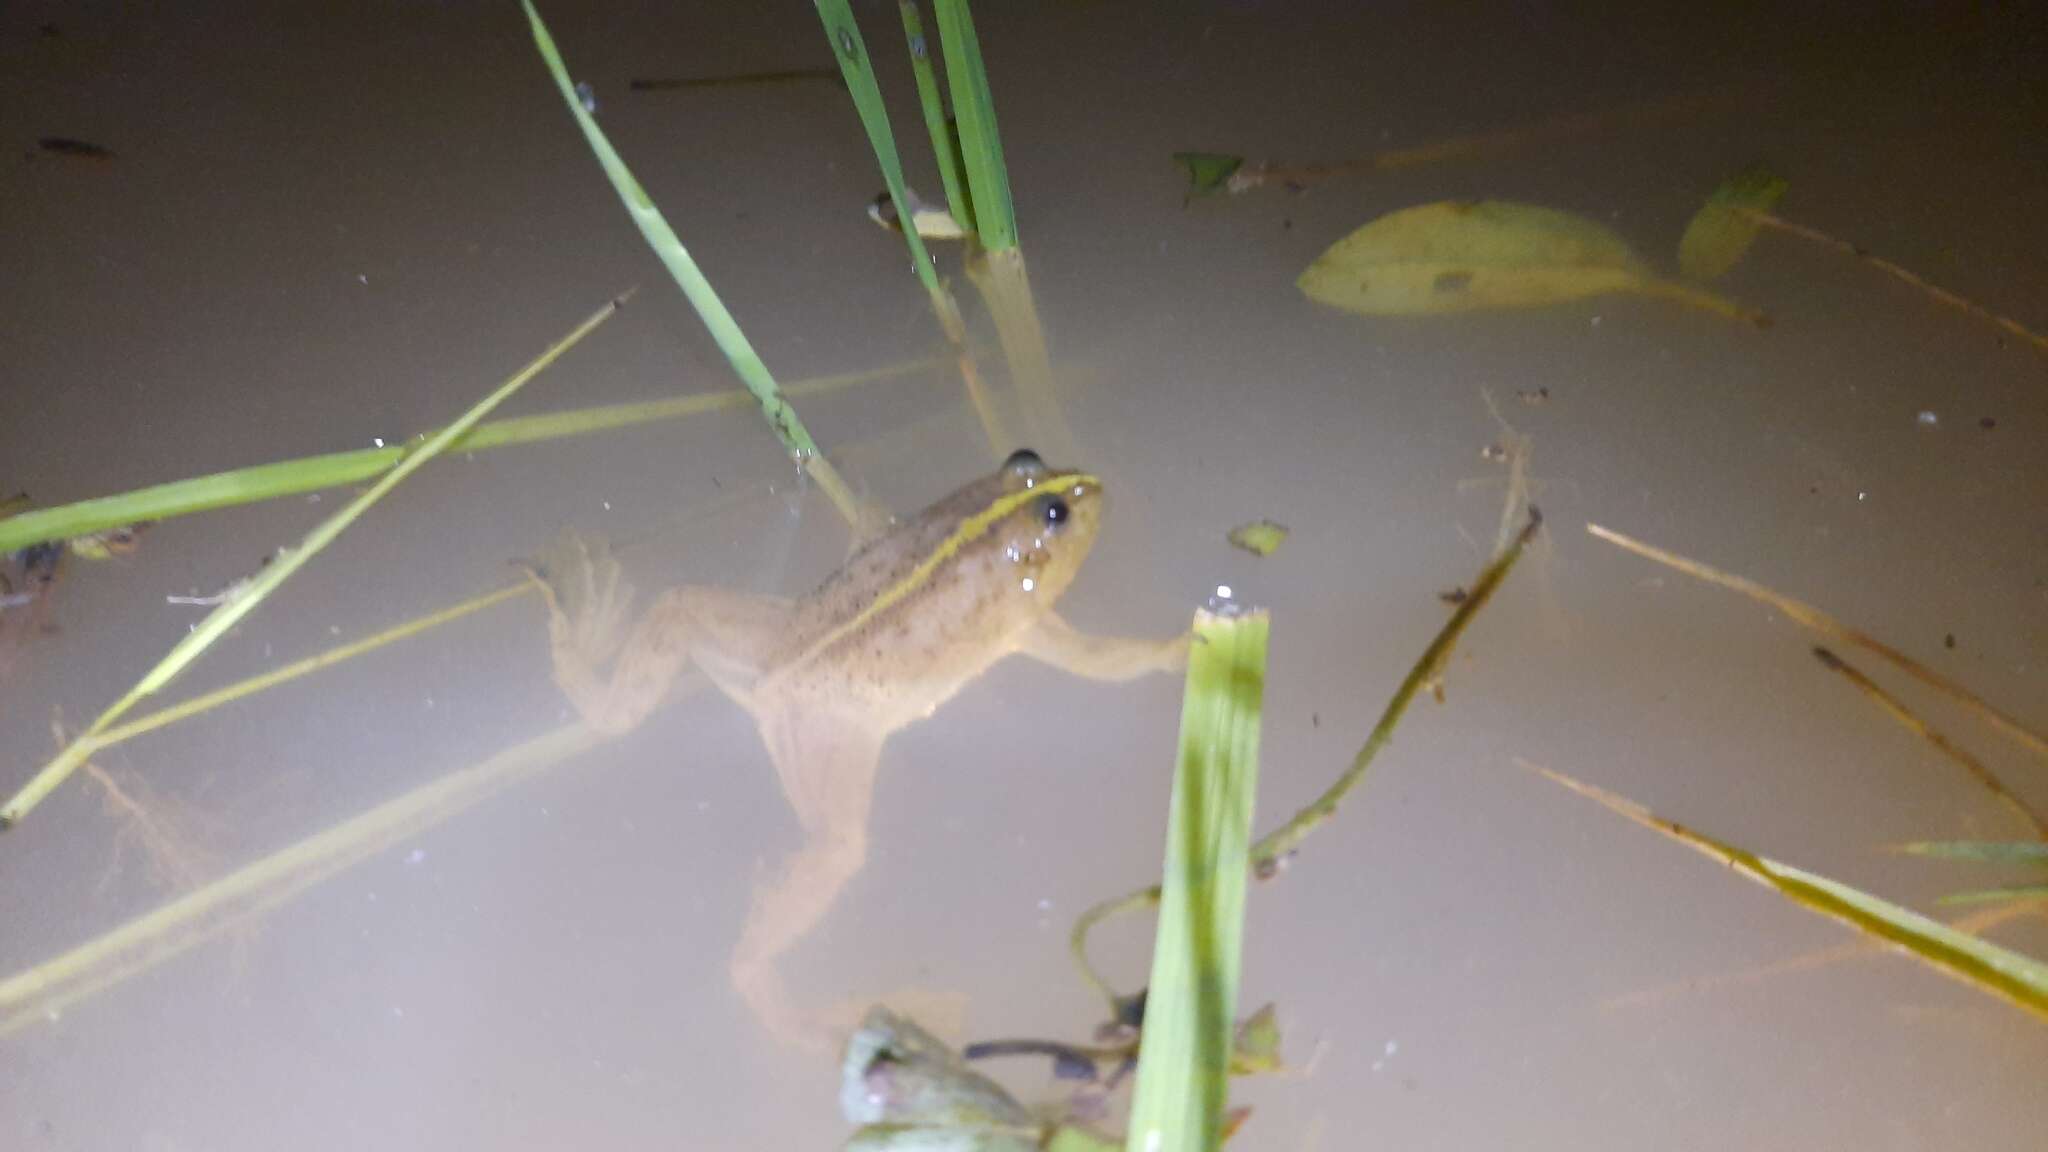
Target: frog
{"type": "Point", "coordinates": [916, 613]}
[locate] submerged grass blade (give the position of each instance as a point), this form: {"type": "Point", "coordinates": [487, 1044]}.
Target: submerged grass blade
{"type": "Point", "coordinates": [781, 417]}
{"type": "Point", "coordinates": [217, 623]}
{"type": "Point", "coordinates": [1897, 710]}
{"type": "Point", "coordinates": [207, 702]}
{"type": "Point", "coordinates": [1184, 1066]}
{"type": "Point", "coordinates": [1983, 965]}
{"type": "Point", "coordinates": [337, 469]}
{"type": "Point", "coordinates": [257, 888]}
{"type": "Point", "coordinates": [2033, 852]}
{"type": "Point", "coordinates": [1997, 895]}
{"type": "Point", "coordinates": [1813, 619]}
{"type": "Point", "coordinates": [974, 109]}
{"type": "Point", "coordinates": [1979, 923]}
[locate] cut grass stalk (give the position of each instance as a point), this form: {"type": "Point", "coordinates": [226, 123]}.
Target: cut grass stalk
{"type": "Point", "coordinates": [1813, 619]}
{"type": "Point", "coordinates": [231, 611]}
{"type": "Point", "coordinates": [338, 469]}
{"type": "Point", "coordinates": [255, 889]}
{"type": "Point", "coordinates": [1897, 710]}
{"type": "Point", "coordinates": [1270, 855]}
{"type": "Point", "coordinates": [1985, 966]}
{"type": "Point", "coordinates": [1184, 1067]}
{"type": "Point", "coordinates": [725, 331]}
{"type": "Point", "coordinates": [855, 64]}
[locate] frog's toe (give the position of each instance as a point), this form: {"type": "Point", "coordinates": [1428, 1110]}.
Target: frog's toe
{"type": "Point", "coordinates": [587, 594]}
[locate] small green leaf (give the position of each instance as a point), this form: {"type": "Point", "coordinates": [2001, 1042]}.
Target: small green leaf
{"type": "Point", "coordinates": [1260, 537]}
{"type": "Point", "coordinates": [1996, 895]}
{"type": "Point", "coordinates": [1208, 172]}
{"type": "Point", "coordinates": [1723, 229]}
{"type": "Point", "coordinates": [1258, 1044]}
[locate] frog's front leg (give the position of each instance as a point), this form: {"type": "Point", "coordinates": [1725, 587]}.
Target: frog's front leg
{"type": "Point", "coordinates": [616, 676]}
{"type": "Point", "coordinates": [1056, 642]}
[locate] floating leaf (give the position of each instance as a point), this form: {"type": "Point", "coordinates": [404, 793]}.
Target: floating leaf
{"type": "Point", "coordinates": [1260, 537]}
{"type": "Point", "coordinates": [1469, 256]}
{"type": "Point", "coordinates": [1723, 229]}
{"type": "Point", "coordinates": [1207, 171]}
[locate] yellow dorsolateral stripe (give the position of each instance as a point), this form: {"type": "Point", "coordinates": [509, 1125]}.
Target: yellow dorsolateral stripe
{"type": "Point", "coordinates": [972, 528]}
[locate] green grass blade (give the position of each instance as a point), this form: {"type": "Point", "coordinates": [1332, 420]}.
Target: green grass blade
{"type": "Point", "coordinates": [217, 623]}
{"type": "Point", "coordinates": [974, 110]}
{"type": "Point", "coordinates": [945, 145]}
{"type": "Point", "coordinates": [2032, 852]}
{"type": "Point", "coordinates": [855, 65]}
{"type": "Point", "coordinates": [1979, 963]}
{"type": "Point", "coordinates": [725, 331]}
{"type": "Point", "coordinates": [1184, 1066]}
{"type": "Point", "coordinates": [336, 469]}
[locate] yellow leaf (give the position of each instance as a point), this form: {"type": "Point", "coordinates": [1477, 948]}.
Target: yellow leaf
{"type": "Point", "coordinates": [1468, 256]}
{"type": "Point", "coordinates": [1723, 229]}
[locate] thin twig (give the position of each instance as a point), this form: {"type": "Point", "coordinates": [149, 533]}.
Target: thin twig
{"type": "Point", "coordinates": [1816, 620]}
{"type": "Point", "coordinates": [1952, 299]}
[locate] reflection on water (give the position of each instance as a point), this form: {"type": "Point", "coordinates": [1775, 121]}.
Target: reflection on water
{"type": "Point", "coordinates": [305, 236]}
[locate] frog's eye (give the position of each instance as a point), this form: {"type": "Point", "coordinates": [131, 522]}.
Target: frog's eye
{"type": "Point", "coordinates": [1024, 462]}
{"type": "Point", "coordinates": [1053, 511]}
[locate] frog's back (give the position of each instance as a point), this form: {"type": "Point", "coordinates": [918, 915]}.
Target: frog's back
{"type": "Point", "coordinates": [927, 606]}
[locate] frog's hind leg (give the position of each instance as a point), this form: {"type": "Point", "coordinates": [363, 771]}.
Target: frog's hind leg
{"type": "Point", "coordinates": [826, 760]}
{"type": "Point", "coordinates": [616, 676]}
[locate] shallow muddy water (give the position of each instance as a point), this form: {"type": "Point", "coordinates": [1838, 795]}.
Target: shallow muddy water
{"type": "Point", "coordinates": [322, 227]}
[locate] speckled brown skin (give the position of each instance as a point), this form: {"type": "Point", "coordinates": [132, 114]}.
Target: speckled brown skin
{"type": "Point", "coordinates": [908, 621]}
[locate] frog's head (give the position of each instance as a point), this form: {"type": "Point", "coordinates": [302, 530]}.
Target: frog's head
{"type": "Point", "coordinates": [1022, 529]}
{"type": "Point", "coordinates": [1041, 522]}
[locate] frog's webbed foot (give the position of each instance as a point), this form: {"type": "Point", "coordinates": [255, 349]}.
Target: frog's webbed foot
{"type": "Point", "coordinates": [587, 596]}
{"type": "Point", "coordinates": [1056, 642]}
{"type": "Point", "coordinates": [588, 601]}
